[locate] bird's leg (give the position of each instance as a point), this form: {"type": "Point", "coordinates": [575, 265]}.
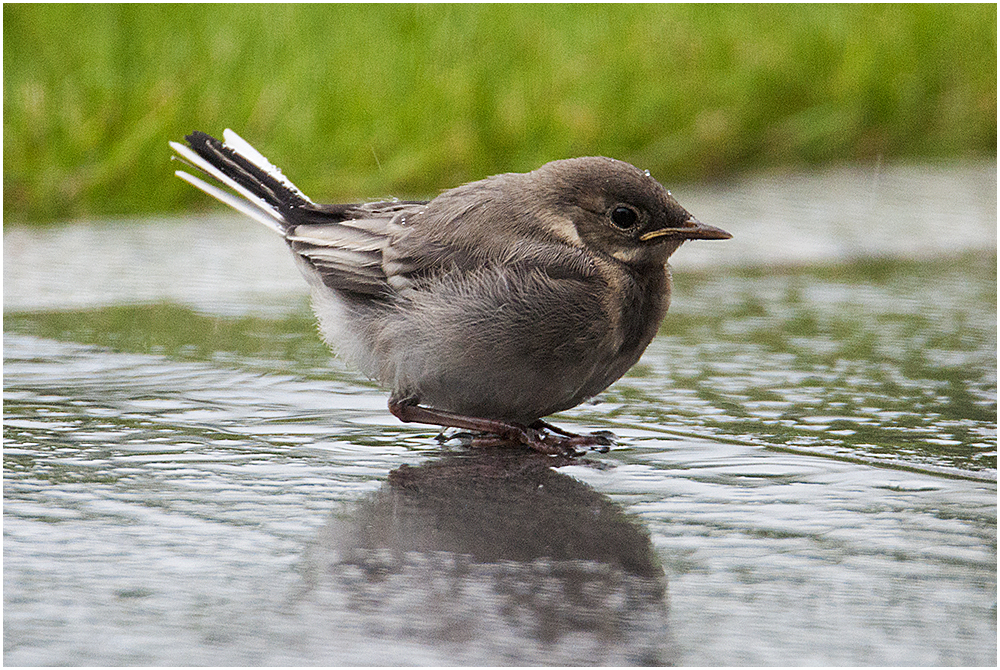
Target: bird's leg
{"type": "Point", "coordinates": [408, 410]}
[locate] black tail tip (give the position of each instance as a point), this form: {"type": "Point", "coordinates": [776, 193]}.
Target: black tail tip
{"type": "Point", "coordinates": [198, 138]}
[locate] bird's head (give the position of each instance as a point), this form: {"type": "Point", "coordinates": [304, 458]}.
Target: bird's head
{"type": "Point", "coordinates": [618, 209]}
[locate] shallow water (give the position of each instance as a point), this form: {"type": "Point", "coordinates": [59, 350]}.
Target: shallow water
{"type": "Point", "coordinates": [805, 470]}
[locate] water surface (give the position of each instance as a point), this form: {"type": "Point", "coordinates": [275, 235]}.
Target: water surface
{"type": "Point", "coordinates": [804, 474]}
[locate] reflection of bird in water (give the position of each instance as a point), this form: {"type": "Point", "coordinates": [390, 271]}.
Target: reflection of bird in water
{"type": "Point", "coordinates": [490, 557]}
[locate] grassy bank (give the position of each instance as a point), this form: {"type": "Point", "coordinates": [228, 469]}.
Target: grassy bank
{"type": "Point", "coordinates": [364, 101]}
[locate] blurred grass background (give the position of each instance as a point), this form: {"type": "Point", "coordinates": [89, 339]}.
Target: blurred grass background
{"type": "Point", "coordinates": [361, 101]}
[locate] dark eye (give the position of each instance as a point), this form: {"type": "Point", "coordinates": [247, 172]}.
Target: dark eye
{"type": "Point", "coordinates": [624, 217]}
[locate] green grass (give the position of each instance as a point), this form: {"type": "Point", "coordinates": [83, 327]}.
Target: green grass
{"type": "Point", "coordinates": [359, 101]}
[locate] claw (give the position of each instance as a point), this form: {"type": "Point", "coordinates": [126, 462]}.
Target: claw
{"type": "Point", "coordinates": [569, 444]}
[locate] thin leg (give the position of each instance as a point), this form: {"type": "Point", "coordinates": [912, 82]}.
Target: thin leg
{"type": "Point", "coordinates": [408, 411]}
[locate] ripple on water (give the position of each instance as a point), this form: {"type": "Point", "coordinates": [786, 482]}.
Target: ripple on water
{"type": "Point", "coordinates": [193, 482]}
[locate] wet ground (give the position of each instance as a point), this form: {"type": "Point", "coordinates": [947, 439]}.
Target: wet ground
{"type": "Point", "coordinates": [805, 470]}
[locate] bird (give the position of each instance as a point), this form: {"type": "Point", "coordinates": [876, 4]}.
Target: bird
{"type": "Point", "coordinates": [492, 305]}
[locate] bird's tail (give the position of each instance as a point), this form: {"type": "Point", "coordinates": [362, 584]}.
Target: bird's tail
{"type": "Point", "coordinates": [261, 191]}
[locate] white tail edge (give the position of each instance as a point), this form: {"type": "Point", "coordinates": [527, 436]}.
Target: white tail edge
{"type": "Point", "coordinates": [256, 210]}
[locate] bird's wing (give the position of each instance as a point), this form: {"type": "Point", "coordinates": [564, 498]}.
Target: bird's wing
{"type": "Point", "coordinates": [346, 255]}
{"type": "Point", "coordinates": [344, 245]}
{"type": "Point", "coordinates": [411, 258]}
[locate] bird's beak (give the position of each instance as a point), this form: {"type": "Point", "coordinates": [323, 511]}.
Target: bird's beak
{"type": "Point", "coordinates": [693, 229]}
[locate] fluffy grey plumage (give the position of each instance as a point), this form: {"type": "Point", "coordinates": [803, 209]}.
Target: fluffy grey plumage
{"type": "Point", "coordinates": [494, 304]}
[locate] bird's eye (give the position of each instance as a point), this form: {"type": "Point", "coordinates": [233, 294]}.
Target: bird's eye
{"type": "Point", "coordinates": [624, 217]}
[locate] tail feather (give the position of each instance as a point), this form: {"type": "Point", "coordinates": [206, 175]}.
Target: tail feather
{"type": "Point", "coordinates": [248, 205]}
{"type": "Point", "coordinates": [242, 149]}
{"type": "Point", "coordinates": [267, 195]}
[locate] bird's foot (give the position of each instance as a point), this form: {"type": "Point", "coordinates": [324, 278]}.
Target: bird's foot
{"type": "Point", "coordinates": [545, 438]}
{"type": "Point", "coordinates": [540, 436]}
{"type": "Point", "coordinates": [551, 439]}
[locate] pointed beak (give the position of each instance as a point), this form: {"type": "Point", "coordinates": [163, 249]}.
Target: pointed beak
{"type": "Point", "coordinates": [692, 229]}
